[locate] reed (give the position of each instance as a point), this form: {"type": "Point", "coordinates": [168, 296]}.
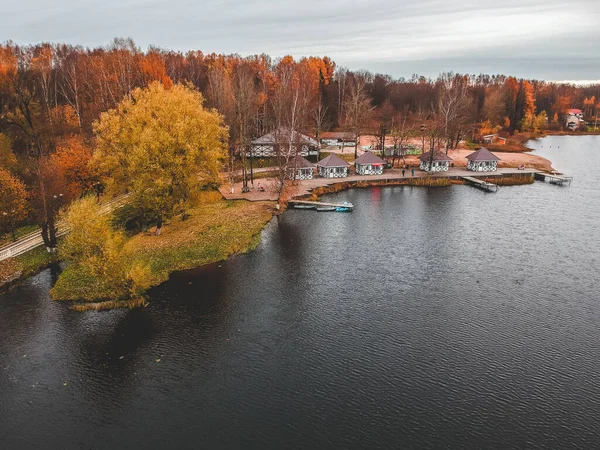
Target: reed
{"type": "Point", "coordinates": [111, 304]}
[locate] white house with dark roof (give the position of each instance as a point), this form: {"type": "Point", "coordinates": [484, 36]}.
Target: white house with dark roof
{"type": "Point", "coordinates": [369, 164]}
{"type": "Point", "coordinates": [482, 160]}
{"type": "Point", "coordinates": [267, 145]}
{"type": "Point", "coordinates": [333, 166]}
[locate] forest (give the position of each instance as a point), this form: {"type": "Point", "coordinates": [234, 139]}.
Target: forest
{"type": "Point", "coordinates": [52, 97]}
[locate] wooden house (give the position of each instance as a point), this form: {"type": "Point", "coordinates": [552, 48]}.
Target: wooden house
{"type": "Point", "coordinates": [333, 167]}
{"type": "Point", "coordinates": [268, 145]}
{"type": "Point", "coordinates": [440, 162]}
{"type": "Point", "coordinates": [482, 160]}
{"type": "Point", "coordinates": [369, 164]}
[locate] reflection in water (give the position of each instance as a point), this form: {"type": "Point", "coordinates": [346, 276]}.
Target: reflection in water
{"type": "Point", "coordinates": [426, 318]}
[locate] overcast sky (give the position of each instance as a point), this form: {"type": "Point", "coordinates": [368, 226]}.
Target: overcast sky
{"type": "Point", "coordinates": [543, 39]}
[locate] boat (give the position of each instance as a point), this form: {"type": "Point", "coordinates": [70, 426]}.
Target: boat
{"type": "Point", "coordinates": [346, 207]}
{"type": "Point", "coordinates": [300, 206]}
{"type": "Point", "coordinates": [326, 208]}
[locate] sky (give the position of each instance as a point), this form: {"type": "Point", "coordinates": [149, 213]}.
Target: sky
{"type": "Point", "coordinates": [552, 40]}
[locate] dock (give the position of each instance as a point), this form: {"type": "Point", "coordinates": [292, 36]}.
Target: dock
{"type": "Point", "coordinates": [314, 205]}
{"type": "Point", "coordinates": [553, 178]}
{"type": "Point", "coordinates": [489, 187]}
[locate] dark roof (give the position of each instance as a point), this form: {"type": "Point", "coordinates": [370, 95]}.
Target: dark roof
{"type": "Point", "coordinates": [482, 154]}
{"type": "Point", "coordinates": [282, 136]}
{"type": "Point", "coordinates": [332, 160]}
{"type": "Point", "coordinates": [336, 135]}
{"type": "Point", "coordinates": [437, 156]}
{"type": "Point", "coordinates": [369, 158]}
{"type": "Point", "coordinates": [299, 162]}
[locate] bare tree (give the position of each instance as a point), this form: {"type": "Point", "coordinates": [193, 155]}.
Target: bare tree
{"type": "Point", "coordinates": [357, 106]}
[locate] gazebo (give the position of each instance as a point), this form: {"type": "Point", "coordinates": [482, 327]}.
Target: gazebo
{"type": "Point", "coordinates": [300, 168]}
{"type": "Point", "coordinates": [267, 145]}
{"type": "Point", "coordinates": [482, 160]}
{"type": "Point", "coordinates": [369, 164]}
{"type": "Point", "coordinates": [333, 166]}
{"type": "Point", "coordinates": [439, 163]}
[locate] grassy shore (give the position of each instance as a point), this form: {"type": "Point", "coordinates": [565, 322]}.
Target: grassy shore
{"type": "Point", "coordinates": [25, 265]}
{"type": "Point", "coordinates": [215, 230]}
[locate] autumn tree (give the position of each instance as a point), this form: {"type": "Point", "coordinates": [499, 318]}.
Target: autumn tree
{"type": "Point", "coordinates": [98, 264]}
{"type": "Point", "coordinates": [13, 201]}
{"type": "Point", "coordinates": [357, 107]}
{"type": "Point", "coordinates": [160, 145]}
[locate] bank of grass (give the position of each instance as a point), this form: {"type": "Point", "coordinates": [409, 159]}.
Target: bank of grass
{"type": "Point", "coordinates": [25, 265]}
{"type": "Point", "coordinates": [215, 230]}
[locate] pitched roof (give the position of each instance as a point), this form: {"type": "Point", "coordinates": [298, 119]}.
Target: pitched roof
{"type": "Point", "coordinates": [482, 154]}
{"type": "Point", "coordinates": [336, 135]}
{"type": "Point", "coordinates": [369, 158]}
{"type": "Point", "coordinates": [332, 160]}
{"type": "Point", "coordinates": [437, 156]}
{"type": "Point", "coordinates": [299, 162]}
{"type": "Point", "coordinates": [282, 136]}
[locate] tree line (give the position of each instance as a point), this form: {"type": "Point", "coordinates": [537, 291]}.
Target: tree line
{"type": "Point", "coordinates": [52, 97]}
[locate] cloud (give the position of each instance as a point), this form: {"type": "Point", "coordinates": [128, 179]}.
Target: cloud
{"type": "Point", "coordinates": [533, 38]}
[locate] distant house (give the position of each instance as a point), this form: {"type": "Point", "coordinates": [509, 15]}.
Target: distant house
{"type": "Point", "coordinates": [333, 167]}
{"type": "Point", "coordinates": [369, 164]}
{"type": "Point", "coordinates": [573, 122]}
{"type": "Point", "coordinates": [337, 138]}
{"type": "Point", "coordinates": [267, 145]}
{"type": "Point", "coordinates": [440, 162]}
{"type": "Point", "coordinates": [299, 168]}
{"type": "Point", "coordinates": [482, 160]}
{"type": "Point", "coordinates": [493, 139]}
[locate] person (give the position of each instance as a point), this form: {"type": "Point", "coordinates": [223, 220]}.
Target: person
{"type": "Point", "coordinates": [261, 188]}
{"type": "Point", "coordinates": [402, 172]}
{"type": "Point", "coordinates": [413, 172]}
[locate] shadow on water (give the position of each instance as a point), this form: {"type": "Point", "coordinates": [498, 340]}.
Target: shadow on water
{"type": "Point", "coordinates": [427, 318]}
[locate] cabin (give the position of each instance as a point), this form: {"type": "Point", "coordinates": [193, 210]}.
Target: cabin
{"type": "Point", "coordinates": [575, 112]}
{"type": "Point", "coordinates": [337, 138]}
{"type": "Point", "coordinates": [482, 160]}
{"type": "Point", "coordinates": [439, 163]}
{"type": "Point", "coordinates": [267, 146]}
{"type": "Point", "coordinates": [369, 164]}
{"type": "Point", "coordinates": [300, 168]}
{"type": "Point", "coordinates": [493, 139]}
{"type": "Point", "coordinates": [573, 122]}
{"type": "Point", "coordinates": [333, 166]}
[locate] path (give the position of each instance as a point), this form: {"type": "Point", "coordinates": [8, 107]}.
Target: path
{"type": "Point", "coordinates": [34, 239]}
{"type": "Point", "coordinates": [305, 187]}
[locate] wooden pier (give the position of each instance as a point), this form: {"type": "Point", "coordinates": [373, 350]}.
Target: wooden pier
{"type": "Point", "coordinates": [489, 187]}
{"type": "Point", "coordinates": [553, 178]}
{"type": "Point", "coordinates": [305, 204]}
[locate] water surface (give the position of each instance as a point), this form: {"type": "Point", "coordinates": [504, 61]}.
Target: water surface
{"type": "Point", "coordinates": [427, 318]}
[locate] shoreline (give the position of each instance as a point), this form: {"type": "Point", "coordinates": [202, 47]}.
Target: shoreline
{"type": "Point", "coordinates": [313, 189]}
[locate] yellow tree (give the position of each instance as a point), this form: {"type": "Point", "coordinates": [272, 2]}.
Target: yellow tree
{"type": "Point", "coordinates": [161, 145]}
{"type": "Point", "coordinates": [98, 266]}
{"type": "Point", "coordinates": [13, 201]}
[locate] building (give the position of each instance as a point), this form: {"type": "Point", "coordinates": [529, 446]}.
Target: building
{"type": "Point", "coordinates": [337, 138]}
{"type": "Point", "coordinates": [300, 168]}
{"type": "Point", "coordinates": [369, 164]}
{"type": "Point", "coordinates": [575, 112]}
{"type": "Point", "coordinates": [333, 167]}
{"type": "Point", "coordinates": [573, 122]}
{"type": "Point", "coordinates": [482, 160]}
{"type": "Point", "coordinates": [267, 145]}
{"type": "Point", "coordinates": [439, 163]}
{"type": "Point", "coordinates": [493, 139]}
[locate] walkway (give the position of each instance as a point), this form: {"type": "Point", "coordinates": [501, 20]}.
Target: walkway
{"type": "Point", "coordinates": [305, 187]}
{"type": "Point", "coordinates": [34, 239]}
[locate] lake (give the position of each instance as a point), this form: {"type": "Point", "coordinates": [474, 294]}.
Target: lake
{"type": "Point", "coordinates": [427, 318]}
